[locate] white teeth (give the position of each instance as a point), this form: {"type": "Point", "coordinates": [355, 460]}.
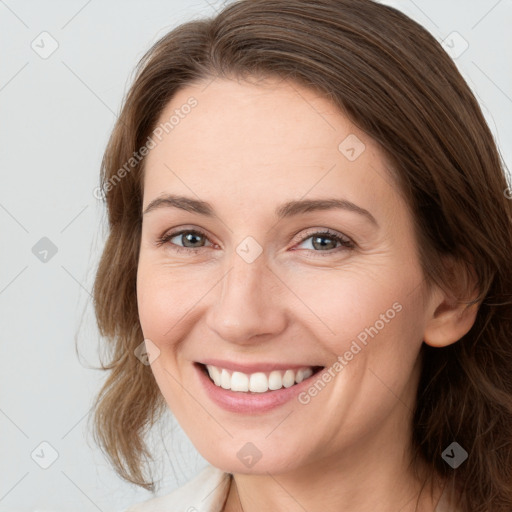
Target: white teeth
{"type": "Point", "coordinates": [239, 382]}
{"type": "Point", "coordinates": [303, 374]}
{"type": "Point", "coordinates": [258, 382]}
{"type": "Point", "coordinates": [307, 373]}
{"type": "Point", "coordinates": [288, 378]}
{"type": "Point", "coordinates": [225, 379]}
{"type": "Point", "coordinates": [215, 375]}
{"type": "Point", "coordinates": [275, 381]}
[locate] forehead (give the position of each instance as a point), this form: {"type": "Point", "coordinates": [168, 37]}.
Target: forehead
{"type": "Point", "coordinates": [264, 142]}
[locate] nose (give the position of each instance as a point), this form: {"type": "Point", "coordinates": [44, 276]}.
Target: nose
{"type": "Point", "coordinates": [249, 303]}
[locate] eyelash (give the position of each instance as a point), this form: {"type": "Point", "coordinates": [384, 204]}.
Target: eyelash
{"type": "Point", "coordinates": [346, 243]}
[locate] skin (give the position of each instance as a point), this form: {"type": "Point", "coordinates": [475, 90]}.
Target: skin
{"type": "Point", "coordinates": [246, 148]}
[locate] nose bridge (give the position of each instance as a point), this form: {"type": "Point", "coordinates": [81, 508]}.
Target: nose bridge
{"type": "Point", "coordinates": [244, 306]}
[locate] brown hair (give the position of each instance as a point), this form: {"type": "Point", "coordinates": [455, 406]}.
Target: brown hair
{"type": "Point", "coordinates": [396, 83]}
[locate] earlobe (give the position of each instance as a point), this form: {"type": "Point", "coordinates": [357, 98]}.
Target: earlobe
{"type": "Point", "coordinates": [449, 324]}
{"type": "Point", "coordinates": [452, 318]}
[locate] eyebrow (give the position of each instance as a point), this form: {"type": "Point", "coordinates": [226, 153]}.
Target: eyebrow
{"type": "Point", "coordinates": [286, 210]}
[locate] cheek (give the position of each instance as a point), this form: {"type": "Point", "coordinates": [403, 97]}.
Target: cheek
{"type": "Point", "coordinates": [163, 307]}
{"type": "Point", "coordinates": [168, 299]}
{"type": "Point", "coordinates": [370, 321]}
{"type": "Point", "coordinates": [152, 302]}
{"type": "Point", "coordinates": [155, 301]}
{"type": "Point", "coordinates": [339, 305]}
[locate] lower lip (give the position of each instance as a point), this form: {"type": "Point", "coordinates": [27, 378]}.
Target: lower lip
{"type": "Point", "coordinates": [248, 402]}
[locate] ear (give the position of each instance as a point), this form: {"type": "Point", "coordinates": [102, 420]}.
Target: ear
{"type": "Point", "coordinates": [452, 318]}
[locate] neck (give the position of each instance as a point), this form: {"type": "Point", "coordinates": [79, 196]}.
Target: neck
{"type": "Point", "coordinates": [374, 475]}
{"type": "Point", "coordinates": [277, 492]}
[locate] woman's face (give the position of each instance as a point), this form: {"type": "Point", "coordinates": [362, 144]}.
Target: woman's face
{"type": "Point", "coordinates": [285, 245]}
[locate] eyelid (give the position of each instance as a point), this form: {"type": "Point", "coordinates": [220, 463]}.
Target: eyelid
{"type": "Point", "coordinates": [323, 231]}
{"type": "Point", "coordinates": [168, 235]}
{"type": "Point", "coordinates": [346, 242]}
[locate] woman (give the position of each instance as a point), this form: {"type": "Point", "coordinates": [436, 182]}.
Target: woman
{"type": "Point", "coordinates": [309, 264]}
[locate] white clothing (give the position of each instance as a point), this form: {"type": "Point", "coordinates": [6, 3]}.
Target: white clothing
{"type": "Point", "coordinates": [207, 492]}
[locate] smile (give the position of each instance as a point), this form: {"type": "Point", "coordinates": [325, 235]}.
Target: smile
{"type": "Point", "coordinates": [258, 382]}
{"type": "Point", "coordinates": [253, 388]}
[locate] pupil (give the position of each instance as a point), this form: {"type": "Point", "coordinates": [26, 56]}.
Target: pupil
{"type": "Point", "coordinates": [322, 245]}
{"type": "Point", "coordinates": [190, 238]}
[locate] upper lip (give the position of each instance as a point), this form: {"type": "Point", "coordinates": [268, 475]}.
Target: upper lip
{"type": "Point", "coordinates": [255, 367]}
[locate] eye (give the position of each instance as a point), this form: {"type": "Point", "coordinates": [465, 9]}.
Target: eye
{"type": "Point", "coordinates": [327, 241]}
{"type": "Point", "coordinates": [192, 239]}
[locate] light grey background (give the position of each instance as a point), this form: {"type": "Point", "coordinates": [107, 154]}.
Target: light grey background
{"type": "Point", "coordinates": [56, 114]}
